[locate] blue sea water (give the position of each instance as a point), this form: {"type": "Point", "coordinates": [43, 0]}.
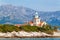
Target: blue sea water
{"type": "Point", "coordinates": [29, 38]}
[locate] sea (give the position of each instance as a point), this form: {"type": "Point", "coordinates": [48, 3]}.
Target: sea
{"type": "Point", "coordinates": [29, 38]}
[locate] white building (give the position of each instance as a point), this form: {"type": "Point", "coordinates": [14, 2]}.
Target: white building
{"type": "Point", "coordinates": [37, 21]}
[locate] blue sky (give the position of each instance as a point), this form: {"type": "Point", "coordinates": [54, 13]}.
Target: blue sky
{"type": "Point", "coordinates": [39, 5]}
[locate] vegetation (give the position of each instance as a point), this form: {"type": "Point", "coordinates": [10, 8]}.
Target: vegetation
{"type": "Point", "coordinates": [47, 29]}
{"type": "Point", "coordinates": [9, 28]}
{"type": "Point", "coordinates": [29, 28]}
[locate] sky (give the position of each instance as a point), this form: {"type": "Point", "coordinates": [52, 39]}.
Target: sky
{"type": "Point", "coordinates": [38, 5]}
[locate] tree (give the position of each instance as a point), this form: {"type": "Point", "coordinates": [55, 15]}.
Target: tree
{"type": "Point", "coordinates": [55, 28]}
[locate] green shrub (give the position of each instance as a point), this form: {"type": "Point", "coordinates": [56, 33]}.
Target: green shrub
{"type": "Point", "coordinates": [9, 28]}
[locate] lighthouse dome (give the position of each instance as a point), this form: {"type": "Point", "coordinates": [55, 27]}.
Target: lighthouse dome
{"type": "Point", "coordinates": [36, 15]}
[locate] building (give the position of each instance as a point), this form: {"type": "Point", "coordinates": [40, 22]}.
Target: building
{"type": "Point", "coordinates": [37, 21]}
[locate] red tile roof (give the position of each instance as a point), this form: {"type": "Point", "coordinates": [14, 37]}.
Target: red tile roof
{"type": "Point", "coordinates": [31, 22]}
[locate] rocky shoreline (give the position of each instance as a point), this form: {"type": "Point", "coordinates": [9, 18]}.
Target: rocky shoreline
{"type": "Point", "coordinates": [23, 34]}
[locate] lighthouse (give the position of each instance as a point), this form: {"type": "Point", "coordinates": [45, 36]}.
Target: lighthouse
{"type": "Point", "coordinates": [36, 20]}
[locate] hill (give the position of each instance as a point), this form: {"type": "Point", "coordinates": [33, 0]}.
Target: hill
{"type": "Point", "coordinates": [10, 14]}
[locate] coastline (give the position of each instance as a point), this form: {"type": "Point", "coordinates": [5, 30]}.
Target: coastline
{"type": "Point", "coordinates": [23, 34]}
{"type": "Point", "coordinates": [33, 37]}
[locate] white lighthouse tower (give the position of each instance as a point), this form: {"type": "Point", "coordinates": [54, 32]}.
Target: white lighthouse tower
{"type": "Point", "coordinates": [36, 20]}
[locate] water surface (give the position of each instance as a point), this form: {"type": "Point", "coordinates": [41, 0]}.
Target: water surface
{"type": "Point", "coordinates": [29, 38]}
